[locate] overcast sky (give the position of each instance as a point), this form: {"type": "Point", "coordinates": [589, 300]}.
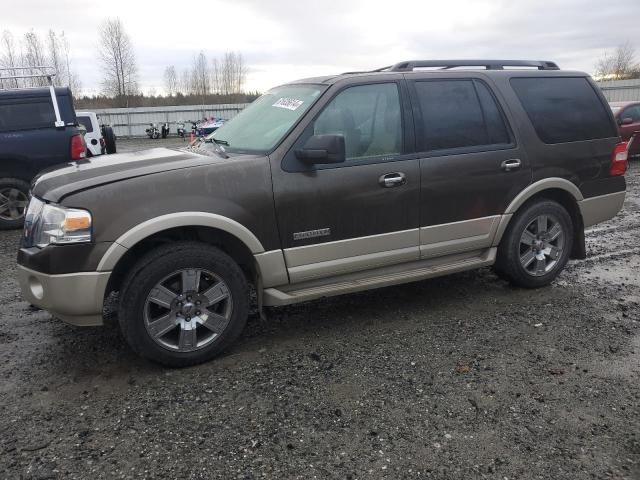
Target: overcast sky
{"type": "Point", "coordinates": [286, 39]}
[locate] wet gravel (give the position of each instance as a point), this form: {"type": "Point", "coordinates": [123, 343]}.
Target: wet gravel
{"type": "Point", "coordinates": [454, 378]}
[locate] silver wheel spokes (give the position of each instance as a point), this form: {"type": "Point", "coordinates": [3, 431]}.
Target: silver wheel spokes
{"type": "Point", "coordinates": [541, 245]}
{"type": "Point", "coordinates": [188, 310]}
{"type": "Point", "coordinates": [13, 204]}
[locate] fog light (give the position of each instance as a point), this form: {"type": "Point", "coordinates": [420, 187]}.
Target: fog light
{"type": "Point", "coordinates": [37, 290]}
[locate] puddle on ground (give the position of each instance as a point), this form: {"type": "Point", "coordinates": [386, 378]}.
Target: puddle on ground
{"type": "Point", "coordinates": [622, 271]}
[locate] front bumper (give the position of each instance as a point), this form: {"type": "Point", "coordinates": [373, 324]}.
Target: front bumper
{"type": "Point", "coordinates": [76, 298]}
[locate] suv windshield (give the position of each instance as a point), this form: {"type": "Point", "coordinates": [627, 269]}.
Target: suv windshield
{"type": "Point", "coordinates": [260, 126]}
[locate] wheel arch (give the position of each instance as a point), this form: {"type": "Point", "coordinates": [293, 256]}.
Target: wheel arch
{"type": "Point", "coordinates": [559, 190]}
{"type": "Point", "coordinates": [227, 234]}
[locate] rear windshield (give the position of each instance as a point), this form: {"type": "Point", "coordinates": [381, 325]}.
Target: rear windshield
{"type": "Point", "coordinates": [25, 114]}
{"type": "Point", "coordinates": [86, 123]}
{"type": "Point", "coordinates": [564, 109]}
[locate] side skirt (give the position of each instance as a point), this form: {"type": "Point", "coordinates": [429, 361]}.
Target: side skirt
{"type": "Point", "coordinates": [379, 277]}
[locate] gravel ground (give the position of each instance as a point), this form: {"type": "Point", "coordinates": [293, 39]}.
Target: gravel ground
{"type": "Point", "coordinates": [458, 377]}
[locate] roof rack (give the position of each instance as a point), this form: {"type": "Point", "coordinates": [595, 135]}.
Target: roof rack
{"type": "Point", "coordinates": [45, 72]}
{"type": "Point", "coordinates": [408, 66]}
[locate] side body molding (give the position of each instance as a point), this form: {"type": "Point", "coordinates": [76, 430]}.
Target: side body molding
{"type": "Point", "coordinates": [174, 220]}
{"type": "Point", "coordinates": [530, 191]}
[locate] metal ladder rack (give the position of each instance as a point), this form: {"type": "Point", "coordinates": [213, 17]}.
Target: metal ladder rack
{"type": "Point", "coordinates": [46, 72]}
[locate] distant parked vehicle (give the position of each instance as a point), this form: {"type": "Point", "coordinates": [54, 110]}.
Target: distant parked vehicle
{"type": "Point", "coordinates": [209, 126]}
{"type": "Point", "coordinates": [96, 144]}
{"type": "Point", "coordinates": [180, 130]}
{"type": "Point", "coordinates": [38, 129]}
{"type": "Point", "coordinates": [152, 131]}
{"type": "Point", "coordinates": [627, 115]}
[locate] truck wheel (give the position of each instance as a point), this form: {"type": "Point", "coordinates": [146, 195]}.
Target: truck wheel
{"type": "Point", "coordinates": [536, 246]}
{"type": "Point", "coordinates": [183, 304]}
{"type": "Point", "coordinates": [109, 139]}
{"type": "Point", "coordinates": [14, 198]}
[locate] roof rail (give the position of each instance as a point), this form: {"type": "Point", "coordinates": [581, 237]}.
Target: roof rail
{"type": "Point", "coordinates": [408, 66]}
{"type": "Point", "coordinates": [46, 72]}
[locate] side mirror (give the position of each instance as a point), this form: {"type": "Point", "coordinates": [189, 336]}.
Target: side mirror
{"type": "Point", "coordinates": [627, 121]}
{"type": "Point", "coordinates": [321, 149]}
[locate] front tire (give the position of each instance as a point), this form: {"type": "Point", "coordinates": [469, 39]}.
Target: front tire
{"type": "Point", "coordinates": [536, 246]}
{"type": "Point", "coordinates": [14, 198]}
{"type": "Point", "coordinates": [183, 304]}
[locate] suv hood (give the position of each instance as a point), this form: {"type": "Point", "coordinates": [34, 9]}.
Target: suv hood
{"type": "Point", "coordinates": [55, 184]}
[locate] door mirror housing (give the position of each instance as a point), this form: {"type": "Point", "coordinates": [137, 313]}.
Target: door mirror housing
{"type": "Point", "coordinates": [626, 121]}
{"type": "Point", "coordinates": [323, 149]}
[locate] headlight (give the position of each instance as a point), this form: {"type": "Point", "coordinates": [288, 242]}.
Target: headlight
{"type": "Point", "coordinates": [46, 224]}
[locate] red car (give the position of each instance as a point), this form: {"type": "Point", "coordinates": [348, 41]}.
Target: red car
{"type": "Point", "coordinates": [627, 116]}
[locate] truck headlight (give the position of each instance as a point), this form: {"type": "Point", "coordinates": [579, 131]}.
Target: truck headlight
{"type": "Point", "coordinates": [47, 223]}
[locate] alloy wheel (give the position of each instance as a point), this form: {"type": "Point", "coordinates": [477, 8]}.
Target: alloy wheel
{"type": "Point", "coordinates": [13, 204]}
{"type": "Point", "coordinates": [188, 310]}
{"type": "Point", "coordinates": [541, 245]}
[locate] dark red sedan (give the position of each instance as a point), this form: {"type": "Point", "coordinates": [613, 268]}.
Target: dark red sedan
{"type": "Point", "coordinates": [627, 116]}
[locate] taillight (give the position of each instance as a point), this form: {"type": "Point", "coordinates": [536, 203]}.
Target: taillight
{"type": "Point", "coordinates": [101, 142]}
{"type": "Point", "coordinates": [78, 147]}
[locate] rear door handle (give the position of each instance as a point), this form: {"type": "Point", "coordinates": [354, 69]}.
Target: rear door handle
{"type": "Point", "coordinates": [512, 164]}
{"type": "Point", "coordinates": [395, 179]}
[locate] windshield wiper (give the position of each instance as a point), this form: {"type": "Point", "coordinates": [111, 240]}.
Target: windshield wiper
{"type": "Point", "coordinates": [221, 142]}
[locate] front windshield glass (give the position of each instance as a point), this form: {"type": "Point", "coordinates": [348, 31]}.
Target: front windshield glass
{"type": "Point", "coordinates": [260, 126]}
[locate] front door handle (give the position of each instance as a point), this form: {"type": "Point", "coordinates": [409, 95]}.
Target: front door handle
{"type": "Point", "coordinates": [512, 164]}
{"type": "Point", "coordinates": [395, 179]}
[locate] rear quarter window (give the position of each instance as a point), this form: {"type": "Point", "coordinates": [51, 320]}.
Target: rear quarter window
{"type": "Point", "coordinates": [564, 109]}
{"type": "Point", "coordinates": [86, 123]}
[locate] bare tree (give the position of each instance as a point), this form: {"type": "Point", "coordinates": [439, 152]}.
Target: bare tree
{"type": "Point", "coordinates": [215, 76]}
{"type": "Point", "coordinates": [619, 65]}
{"type": "Point", "coordinates": [185, 82]}
{"type": "Point", "coordinates": [118, 60]}
{"type": "Point", "coordinates": [8, 57]}
{"type": "Point", "coordinates": [72, 80]}
{"type": "Point", "coordinates": [200, 76]}
{"type": "Point", "coordinates": [170, 80]}
{"type": "Point", "coordinates": [33, 56]}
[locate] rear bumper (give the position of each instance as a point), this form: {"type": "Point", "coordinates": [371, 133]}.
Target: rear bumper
{"type": "Point", "coordinates": [76, 298]}
{"type": "Point", "coordinates": [603, 207]}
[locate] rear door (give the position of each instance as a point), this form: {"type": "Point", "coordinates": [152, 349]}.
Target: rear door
{"type": "Point", "coordinates": [341, 218]}
{"type": "Point", "coordinates": [471, 166]}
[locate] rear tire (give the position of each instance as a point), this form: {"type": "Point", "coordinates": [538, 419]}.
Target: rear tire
{"type": "Point", "coordinates": [14, 198]}
{"type": "Point", "coordinates": [183, 304]}
{"type": "Point", "coordinates": [536, 246]}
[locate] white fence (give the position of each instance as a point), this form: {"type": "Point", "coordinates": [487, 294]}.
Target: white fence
{"type": "Point", "coordinates": [621, 90]}
{"type": "Point", "coordinates": [131, 122]}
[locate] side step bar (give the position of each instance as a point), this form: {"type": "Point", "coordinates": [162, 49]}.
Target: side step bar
{"type": "Point", "coordinates": [383, 278]}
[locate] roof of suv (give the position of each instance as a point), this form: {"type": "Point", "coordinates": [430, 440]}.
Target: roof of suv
{"type": "Point", "coordinates": [435, 66]}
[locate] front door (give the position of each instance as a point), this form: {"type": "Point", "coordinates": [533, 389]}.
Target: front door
{"type": "Point", "coordinates": [341, 218]}
{"type": "Point", "coordinates": [471, 167]}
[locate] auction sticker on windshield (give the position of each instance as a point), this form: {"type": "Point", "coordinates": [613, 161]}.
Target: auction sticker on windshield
{"type": "Point", "coordinates": [288, 103]}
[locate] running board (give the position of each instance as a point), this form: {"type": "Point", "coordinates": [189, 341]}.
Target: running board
{"type": "Point", "coordinates": [382, 277]}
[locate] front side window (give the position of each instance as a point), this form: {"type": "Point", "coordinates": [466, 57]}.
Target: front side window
{"type": "Point", "coordinates": [369, 118]}
{"type": "Point", "coordinates": [458, 114]}
{"type": "Point", "coordinates": [632, 112]}
{"type": "Point", "coordinates": [261, 126]}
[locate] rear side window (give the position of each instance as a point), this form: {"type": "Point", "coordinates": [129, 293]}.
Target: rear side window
{"type": "Point", "coordinates": [26, 114]}
{"type": "Point", "coordinates": [86, 123]}
{"type": "Point", "coordinates": [459, 114]}
{"type": "Point", "coordinates": [563, 109]}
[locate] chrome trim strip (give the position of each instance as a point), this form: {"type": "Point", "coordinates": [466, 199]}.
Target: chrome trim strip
{"type": "Point", "coordinates": [465, 235]}
{"type": "Point", "coordinates": [350, 247]}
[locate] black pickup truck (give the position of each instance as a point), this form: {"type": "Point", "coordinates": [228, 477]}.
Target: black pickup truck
{"type": "Point", "coordinates": [38, 129]}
